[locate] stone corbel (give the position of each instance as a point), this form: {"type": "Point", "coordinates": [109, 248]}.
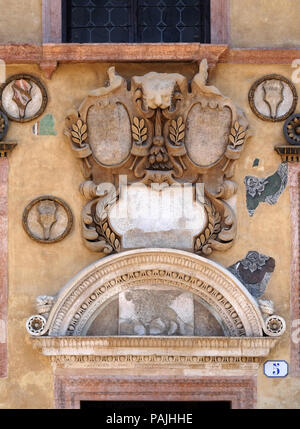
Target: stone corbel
{"type": "Point", "coordinates": [48, 68]}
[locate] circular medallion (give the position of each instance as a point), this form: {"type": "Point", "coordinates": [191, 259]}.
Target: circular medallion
{"type": "Point", "coordinates": [3, 125]}
{"type": "Point", "coordinates": [23, 97]}
{"type": "Point", "coordinates": [291, 129]}
{"type": "Point", "coordinates": [35, 325]}
{"type": "Point", "coordinates": [273, 98]}
{"type": "Point", "coordinates": [47, 219]}
{"type": "Point", "coordinates": [275, 326]}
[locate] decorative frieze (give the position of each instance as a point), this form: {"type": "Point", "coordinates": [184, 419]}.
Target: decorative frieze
{"type": "Point", "coordinates": [211, 354]}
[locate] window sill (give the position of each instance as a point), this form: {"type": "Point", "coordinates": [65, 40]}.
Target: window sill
{"type": "Point", "coordinates": [49, 55]}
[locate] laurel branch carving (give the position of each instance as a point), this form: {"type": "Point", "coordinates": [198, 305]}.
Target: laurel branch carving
{"type": "Point", "coordinates": [177, 131]}
{"type": "Point", "coordinates": [97, 230]}
{"type": "Point", "coordinates": [139, 130]}
{"type": "Point", "coordinates": [237, 135]}
{"type": "Point", "coordinates": [106, 231]}
{"type": "Point", "coordinates": [79, 132]}
{"type": "Point", "coordinates": [203, 241]}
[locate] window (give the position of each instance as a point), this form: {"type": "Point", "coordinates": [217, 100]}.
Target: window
{"type": "Point", "coordinates": [136, 21]}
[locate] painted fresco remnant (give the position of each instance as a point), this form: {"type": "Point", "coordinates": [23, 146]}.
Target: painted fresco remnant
{"type": "Point", "coordinates": [265, 190]}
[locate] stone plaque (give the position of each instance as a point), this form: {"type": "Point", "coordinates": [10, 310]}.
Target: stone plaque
{"type": "Point", "coordinates": [207, 134]}
{"type": "Point", "coordinates": [273, 98]}
{"type": "Point", "coordinates": [146, 217]}
{"type": "Point", "coordinates": [110, 133]}
{"type": "Point", "coordinates": [47, 219]}
{"type": "Point", "coordinates": [23, 98]}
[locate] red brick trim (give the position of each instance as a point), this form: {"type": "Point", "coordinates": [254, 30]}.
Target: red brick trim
{"type": "Point", "coordinates": [3, 264]}
{"type": "Point", "coordinates": [259, 56]}
{"type": "Point", "coordinates": [144, 52]}
{"type": "Point", "coordinates": [294, 186]}
{"type": "Point", "coordinates": [70, 390]}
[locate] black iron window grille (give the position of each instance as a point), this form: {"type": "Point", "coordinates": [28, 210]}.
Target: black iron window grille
{"type": "Point", "coordinates": [136, 21]}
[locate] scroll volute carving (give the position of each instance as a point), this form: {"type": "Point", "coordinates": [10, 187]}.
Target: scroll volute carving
{"type": "Point", "coordinates": [161, 131]}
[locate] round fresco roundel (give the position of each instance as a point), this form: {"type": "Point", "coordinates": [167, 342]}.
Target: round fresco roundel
{"type": "Point", "coordinates": [23, 98]}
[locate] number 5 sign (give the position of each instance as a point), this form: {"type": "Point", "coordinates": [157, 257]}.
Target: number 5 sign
{"type": "Point", "coordinates": [276, 368]}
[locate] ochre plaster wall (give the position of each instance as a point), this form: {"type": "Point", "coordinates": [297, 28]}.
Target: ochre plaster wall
{"type": "Point", "coordinates": [264, 23]}
{"type": "Point", "coordinates": [46, 165]}
{"type": "Point", "coordinates": [21, 21]}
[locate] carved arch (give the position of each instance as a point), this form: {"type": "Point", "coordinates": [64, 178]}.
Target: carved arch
{"type": "Point", "coordinates": [82, 296]}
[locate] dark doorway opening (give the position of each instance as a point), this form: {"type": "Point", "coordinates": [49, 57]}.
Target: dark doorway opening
{"type": "Point", "coordinates": [145, 408]}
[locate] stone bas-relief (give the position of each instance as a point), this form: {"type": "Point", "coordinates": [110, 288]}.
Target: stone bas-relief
{"type": "Point", "coordinates": [273, 98]}
{"type": "Point", "coordinates": [23, 97]}
{"type": "Point", "coordinates": [161, 131]}
{"type": "Point", "coordinates": [47, 219]}
{"type": "Point", "coordinates": [155, 311]}
{"type": "Point", "coordinates": [152, 312]}
{"type": "Point", "coordinates": [92, 299]}
{"type": "Point", "coordinates": [269, 189]}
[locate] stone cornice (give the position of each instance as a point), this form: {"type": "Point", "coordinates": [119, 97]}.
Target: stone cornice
{"type": "Point", "coordinates": [207, 353]}
{"type": "Point", "coordinates": [228, 345]}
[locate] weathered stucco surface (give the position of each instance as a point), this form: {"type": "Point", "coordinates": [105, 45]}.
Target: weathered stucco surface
{"type": "Point", "coordinates": [46, 165]}
{"type": "Point", "coordinates": [264, 23]}
{"type": "Point", "coordinates": [21, 21]}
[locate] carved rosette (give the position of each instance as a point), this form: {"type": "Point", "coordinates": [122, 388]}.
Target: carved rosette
{"type": "Point", "coordinates": [158, 131]}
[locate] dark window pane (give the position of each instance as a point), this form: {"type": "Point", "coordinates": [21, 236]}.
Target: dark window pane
{"type": "Point", "coordinates": [119, 35]}
{"type": "Point", "coordinates": [171, 16]}
{"type": "Point", "coordinates": [99, 35]}
{"type": "Point", "coordinates": [121, 21]}
{"type": "Point", "coordinates": [190, 16]}
{"type": "Point", "coordinates": [151, 35]}
{"type": "Point", "coordinates": [100, 16]}
{"type": "Point", "coordinates": [80, 35]}
{"type": "Point", "coordinates": [119, 16]}
{"type": "Point", "coordinates": [171, 35]}
{"type": "Point", "coordinates": [80, 17]}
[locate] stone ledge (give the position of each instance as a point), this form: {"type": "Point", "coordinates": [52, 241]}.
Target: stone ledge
{"type": "Point", "coordinates": [51, 53]}
{"type": "Point", "coordinates": [209, 353]}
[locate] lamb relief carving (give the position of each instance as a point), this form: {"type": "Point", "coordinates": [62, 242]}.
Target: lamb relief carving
{"type": "Point", "coordinates": [159, 134]}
